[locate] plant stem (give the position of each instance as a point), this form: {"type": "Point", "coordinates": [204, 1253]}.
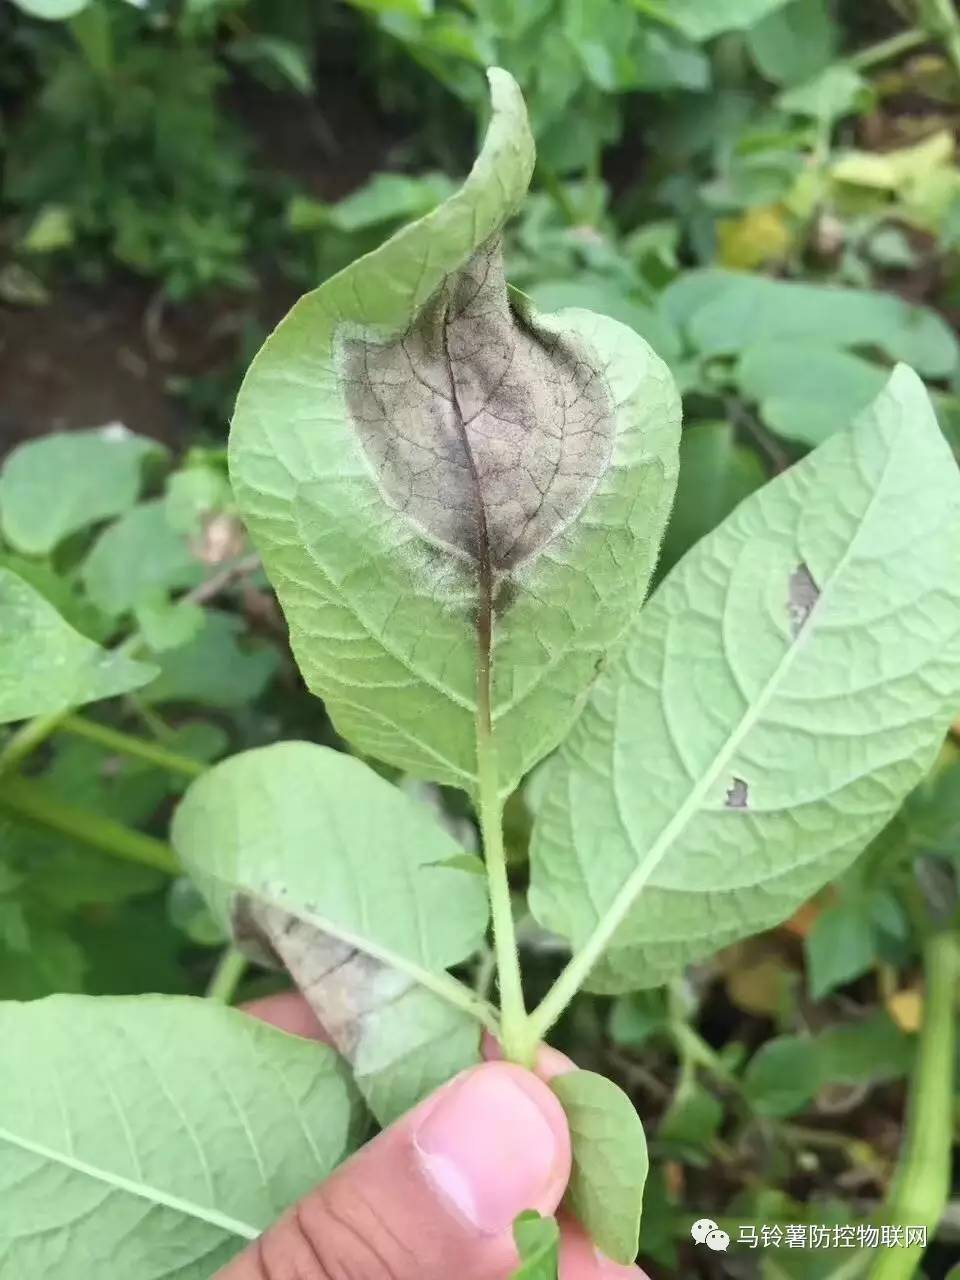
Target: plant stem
{"type": "Point", "coordinates": [227, 976]}
{"type": "Point", "coordinates": [127, 744]}
{"type": "Point", "coordinates": [942, 23]}
{"type": "Point", "coordinates": [37, 804]}
{"type": "Point", "coordinates": [26, 739]}
{"type": "Point", "coordinates": [892, 47]}
{"type": "Point", "coordinates": [921, 1186]}
{"type": "Point", "coordinates": [513, 1021]}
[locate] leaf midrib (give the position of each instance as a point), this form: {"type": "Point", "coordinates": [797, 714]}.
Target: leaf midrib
{"type": "Point", "coordinates": [142, 1190]}
{"type": "Point", "coordinates": [635, 882]}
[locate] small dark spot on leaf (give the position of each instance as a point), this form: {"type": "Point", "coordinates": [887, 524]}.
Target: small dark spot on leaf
{"type": "Point", "coordinates": [804, 594]}
{"type": "Point", "coordinates": [506, 594]}
{"type": "Point", "coordinates": [738, 795]}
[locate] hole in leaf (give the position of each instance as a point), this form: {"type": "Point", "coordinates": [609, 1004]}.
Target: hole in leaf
{"type": "Point", "coordinates": [804, 594]}
{"type": "Point", "coordinates": [738, 796]}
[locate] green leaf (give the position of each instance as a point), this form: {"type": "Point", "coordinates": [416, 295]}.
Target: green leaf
{"type": "Point", "coordinates": [840, 947]}
{"type": "Point", "coordinates": [783, 1076]}
{"type": "Point", "coordinates": [47, 667]}
{"type": "Point", "coordinates": [716, 474]}
{"type": "Point", "coordinates": [789, 683]}
{"type": "Point", "coordinates": [52, 487]}
{"type": "Point", "coordinates": [217, 667]}
{"type": "Point", "coordinates": [538, 1244]}
{"type": "Point", "coordinates": [837, 91]}
{"type": "Point", "coordinates": [52, 10]}
{"type": "Point", "coordinates": [786, 1073]}
{"type": "Point", "coordinates": [806, 390]}
{"type": "Point", "coordinates": [725, 312]}
{"type": "Point", "coordinates": [137, 556]}
{"type": "Point", "coordinates": [795, 42]}
{"type": "Point", "coordinates": [168, 624]}
{"type": "Point", "coordinates": [351, 883]}
{"type": "Point", "coordinates": [441, 483]}
{"type": "Point", "coordinates": [610, 1163]}
{"type": "Point", "coordinates": [704, 19]}
{"type": "Point", "coordinates": [157, 1136]}
{"type": "Point", "coordinates": [604, 297]}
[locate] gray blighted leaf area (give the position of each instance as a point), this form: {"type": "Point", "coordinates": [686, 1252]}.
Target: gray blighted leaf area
{"type": "Point", "coordinates": [786, 687]}
{"type": "Point", "coordinates": [401, 1041]}
{"type": "Point", "coordinates": [359, 892]}
{"type": "Point", "coordinates": [380, 412]}
{"type": "Point", "coordinates": [155, 1138]}
{"type": "Point", "coordinates": [489, 434]}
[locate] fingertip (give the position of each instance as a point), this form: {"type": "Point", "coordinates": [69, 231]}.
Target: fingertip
{"type": "Point", "coordinates": [495, 1143]}
{"type": "Point", "coordinates": [288, 1011]}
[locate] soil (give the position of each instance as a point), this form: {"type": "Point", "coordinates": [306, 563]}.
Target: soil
{"type": "Point", "coordinates": [93, 355]}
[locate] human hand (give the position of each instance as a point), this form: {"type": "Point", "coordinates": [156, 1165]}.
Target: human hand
{"type": "Point", "coordinates": [434, 1197]}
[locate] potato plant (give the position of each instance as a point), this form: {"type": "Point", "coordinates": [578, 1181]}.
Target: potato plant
{"type": "Point", "coordinates": [459, 502]}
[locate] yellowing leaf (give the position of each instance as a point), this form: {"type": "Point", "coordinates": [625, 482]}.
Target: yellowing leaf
{"type": "Point", "coordinates": [758, 237]}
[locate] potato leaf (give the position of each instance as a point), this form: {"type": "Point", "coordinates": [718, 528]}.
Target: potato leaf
{"type": "Point", "coordinates": [52, 487]}
{"type": "Point", "coordinates": [47, 667]}
{"type": "Point", "coordinates": [157, 1136]}
{"type": "Point", "coordinates": [786, 687]}
{"type": "Point", "coordinates": [442, 483]}
{"type": "Point", "coordinates": [538, 1244]}
{"type": "Point", "coordinates": [610, 1162]}
{"type": "Point", "coordinates": [314, 859]}
{"type": "Point", "coordinates": [703, 19]}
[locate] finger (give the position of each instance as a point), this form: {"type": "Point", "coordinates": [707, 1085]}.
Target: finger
{"type": "Point", "coordinates": [579, 1260]}
{"type": "Point", "coordinates": [290, 1012]}
{"type": "Point", "coordinates": [550, 1062]}
{"type": "Point", "coordinates": [433, 1196]}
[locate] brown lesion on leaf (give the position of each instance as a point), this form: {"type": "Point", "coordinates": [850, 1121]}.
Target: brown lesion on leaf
{"type": "Point", "coordinates": [738, 796]}
{"type": "Point", "coordinates": [345, 987]}
{"type": "Point", "coordinates": [802, 596]}
{"type": "Point", "coordinates": [488, 433]}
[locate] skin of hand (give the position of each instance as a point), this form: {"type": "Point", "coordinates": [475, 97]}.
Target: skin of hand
{"type": "Point", "coordinates": [433, 1197]}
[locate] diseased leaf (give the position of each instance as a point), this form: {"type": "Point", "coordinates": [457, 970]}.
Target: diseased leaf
{"type": "Point", "coordinates": [610, 1163]}
{"type": "Point", "coordinates": [538, 1243]}
{"type": "Point", "coordinates": [46, 666]}
{"type": "Point", "coordinates": [137, 556]}
{"type": "Point", "coordinates": [52, 487]}
{"type": "Point", "coordinates": [443, 483]}
{"type": "Point", "coordinates": [787, 686]}
{"type": "Point", "coordinates": [312, 857]}
{"type": "Point", "coordinates": [158, 1136]}
{"type": "Point", "coordinates": [725, 312]}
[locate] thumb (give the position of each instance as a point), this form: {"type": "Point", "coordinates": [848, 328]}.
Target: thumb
{"type": "Point", "coordinates": [433, 1196]}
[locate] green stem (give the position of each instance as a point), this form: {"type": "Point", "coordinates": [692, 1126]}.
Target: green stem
{"type": "Point", "coordinates": [127, 744]}
{"type": "Point", "coordinates": [892, 47]}
{"type": "Point", "coordinates": [227, 976]}
{"type": "Point", "coordinates": [37, 804]}
{"type": "Point", "coordinates": [942, 23]}
{"type": "Point", "coordinates": [921, 1186]}
{"type": "Point", "coordinates": [513, 1020]}
{"type": "Point", "coordinates": [26, 739]}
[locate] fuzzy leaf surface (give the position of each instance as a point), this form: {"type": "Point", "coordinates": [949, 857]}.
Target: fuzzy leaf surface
{"type": "Point", "coordinates": [785, 689]}
{"type": "Point", "coordinates": [313, 859]}
{"type": "Point", "coordinates": [439, 479]}
{"type": "Point", "coordinates": [156, 1137]}
{"type": "Point", "coordinates": [610, 1162]}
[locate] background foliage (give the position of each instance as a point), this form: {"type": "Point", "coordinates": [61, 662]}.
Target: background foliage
{"type": "Point", "coordinates": [766, 191]}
